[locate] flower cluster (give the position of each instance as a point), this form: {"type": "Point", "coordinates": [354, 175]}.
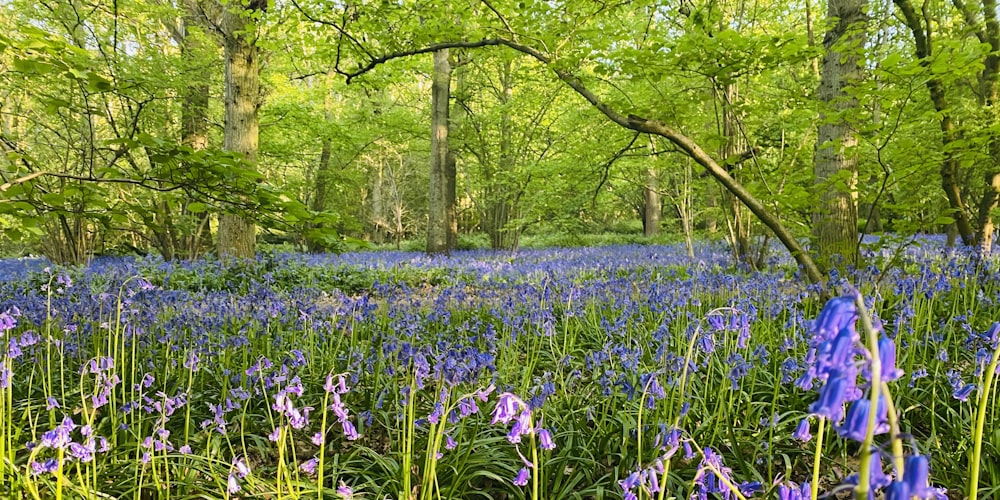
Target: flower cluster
{"type": "Point", "coordinates": [837, 357]}
{"type": "Point", "coordinates": [511, 408]}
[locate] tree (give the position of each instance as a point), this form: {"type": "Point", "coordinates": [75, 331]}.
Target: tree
{"type": "Point", "coordinates": [835, 220]}
{"type": "Point", "coordinates": [440, 213]}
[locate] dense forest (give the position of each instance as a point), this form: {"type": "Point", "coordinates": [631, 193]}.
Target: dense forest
{"type": "Point", "coordinates": [192, 127]}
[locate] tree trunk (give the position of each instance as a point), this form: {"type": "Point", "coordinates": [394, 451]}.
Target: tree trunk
{"type": "Point", "coordinates": [438, 223]}
{"type": "Point", "coordinates": [949, 166]}
{"type": "Point", "coordinates": [652, 206]}
{"type": "Point", "coordinates": [237, 234]}
{"type": "Point", "coordinates": [990, 94]}
{"type": "Point", "coordinates": [324, 173]}
{"type": "Point", "coordinates": [835, 220]}
{"type": "Point", "coordinates": [194, 129]}
{"type": "Point", "coordinates": [733, 152]}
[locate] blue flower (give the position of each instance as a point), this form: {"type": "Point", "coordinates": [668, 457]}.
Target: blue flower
{"type": "Point", "coordinates": [963, 393]}
{"type": "Point", "coordinates": [802, 432]}
{"type": "Point", "coordinates": [309, 466]}
{"type": "Point", "coordinates": [856, 423]}
{"type": "Point", "coordinates": [887, 355]}
{"type": "Point", "coordinates": [832, 397]}
{"type": "Point", "coordinates": [897, 490]}
{"type": "Point", "coordinates": [522, 477]}
{"type": "Point", "coordinates": [916, 474]}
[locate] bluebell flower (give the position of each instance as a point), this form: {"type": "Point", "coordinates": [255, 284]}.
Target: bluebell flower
{"type": "Point", "coordinates": [48, 466]}
{"type": "Point", "coordinates": [232, 484]}
{"type": "Point", "coordinates": [345, 492]}
{"type": "Point", "coordinates": [545, 440]}
{"type": "Point", "coordinates": [887, 355]}
{"type": "Point", "coordinates": [792, 492]}
{"type": "Point", "coordinates": [241, 467]}
{"type": "Point", "coordinates": [309, 466]}
{"type": "Point", "coordinates": [897, 490]}
{"type": "Point", "coordinates": [856, 423]}
{"type": "Point", "coordinates": [802, 431]}
{"type": "Point", "coordinates": [522, 477]}
{"type": "Point", "coordinates": [963, 393]}
{"type": "Point", "coordinates": [916, 475]}
{"type": "Point", "coordinates": [831, 398]}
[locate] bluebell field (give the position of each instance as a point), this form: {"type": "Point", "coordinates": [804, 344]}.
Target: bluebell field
{"type": "Point", "coordinates": [629, 372]}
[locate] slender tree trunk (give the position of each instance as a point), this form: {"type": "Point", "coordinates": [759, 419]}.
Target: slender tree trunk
{"type": "Point", "coordinates": [237, 234]}
{"type": "Point", "coordinates": [652, 206]}
{"type": "Point", "coordinates": [438, 223]}
{"type": "Point", "coordinates": [194, 127]}
{"type": "Point", "coordinates": [324, 171]}
{"type": "Point", "coordinates": [835, 220]}
{"type": "Point", "coordinates": [733, 151]}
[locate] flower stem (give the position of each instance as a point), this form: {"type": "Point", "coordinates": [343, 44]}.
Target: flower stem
{"type": "Point", "coordinates": [820, 434]}
{"type": "Point", "coordinates": [864, 474]}
{"type": "Point", "coordinates": [977, 435]}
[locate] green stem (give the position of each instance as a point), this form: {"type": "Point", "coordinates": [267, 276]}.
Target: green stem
{"type": "Point", "coordinates": [977, 435]}
{"type": "Point", "coordinates": [861, 492]}
{"type": "Point", "coordinates": [820, 434]}
{"type": "Point", "coordinates": [896, 439]}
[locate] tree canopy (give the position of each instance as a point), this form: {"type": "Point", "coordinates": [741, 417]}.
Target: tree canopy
{"type": "Point", "coordinates": [120, 127]}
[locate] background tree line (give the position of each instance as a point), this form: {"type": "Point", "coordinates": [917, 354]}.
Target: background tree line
{"type": "Point", "coordinates": [193, 126]}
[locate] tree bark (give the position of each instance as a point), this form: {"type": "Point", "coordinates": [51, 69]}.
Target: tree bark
{"type": "Point", "coordinates": [652, 206]}
{"type": "Point", "coordinates": [835, 220]}
{"type": "Point", "coordinates": [438, 222]}
{"type": "Point", "coordinates": [237, 233]}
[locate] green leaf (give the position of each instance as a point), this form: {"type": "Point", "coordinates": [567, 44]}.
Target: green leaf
{"type": "Point", "coordinates": [196, 207]}
{"type": "Point", "coordinates": [53, 199]}
{"type": "Point", "coordinates": [33, 67]}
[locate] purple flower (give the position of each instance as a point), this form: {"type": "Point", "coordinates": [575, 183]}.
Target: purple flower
{"type": "Point", "coordinates": [630, 482]}
{"type": "Point", "coordinates": [545, 440]}
{"type": "Point", "coordinates": [317, 439]}
{"type": "Point", "coordinates": [802, 432]}
{"type": "Point", "coordinates": [59, 437]}
{"type": "Point", "coordinates": [897, 490]}
{"type": "Point", "coordinates": [688, 452]}
{"type": "Point", "coordinates": [82, 453]}
{"type": "Point", "coordinates": [349, 431]}
{"type": "Point", "coordinates": [793, 492]}
{"type": "Point", "coordinates": [232, 484]}
{"type": "Point", "coordinates": [506, 409]}
{"type": "Point", "coordinates": [522, 477]}
{"type": "Point", "coordinates": [47, 467]}
{"type": "Point", "coordinates": [309, 466]}
{"type": "Point", "coordinates": [449, 442]}
{"type": "Point", "coordinates": [887, 354]}
{"type": "Point", "coordinates": [242, 469]}
{"type": "Point", "coordinates": [837, 314]}
{"type": "Point", "coordinates": [345, 491]}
